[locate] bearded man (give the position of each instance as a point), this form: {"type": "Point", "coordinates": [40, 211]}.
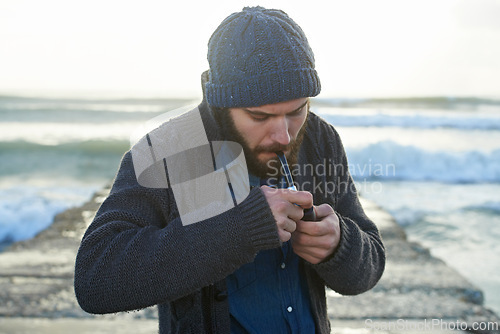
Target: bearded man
{"type": "Point", "coordinates": [256, 266]}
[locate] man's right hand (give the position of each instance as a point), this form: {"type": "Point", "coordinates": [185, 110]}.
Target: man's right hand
{"type": "Point", "coordinates": [285, 211]}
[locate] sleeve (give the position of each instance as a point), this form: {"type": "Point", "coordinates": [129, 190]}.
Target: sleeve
{"type": "Point", "coordinates": [136, 253]}
{"type": "Point", "coordinates": [359, 261]}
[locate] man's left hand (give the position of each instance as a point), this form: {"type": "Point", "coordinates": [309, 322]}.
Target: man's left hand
{"type": "Point", "coordinates": [314, 241]}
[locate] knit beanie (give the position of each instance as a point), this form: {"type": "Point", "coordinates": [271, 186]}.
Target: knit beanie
{"type": "Point", "coordinates": [259, 56]}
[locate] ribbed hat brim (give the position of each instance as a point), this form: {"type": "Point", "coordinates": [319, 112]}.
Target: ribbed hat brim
{"type": "Point", "coordinates": [264, 89]}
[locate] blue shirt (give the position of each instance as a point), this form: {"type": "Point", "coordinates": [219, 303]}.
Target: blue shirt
{"type": "Point", "coordinates": [269, 295]}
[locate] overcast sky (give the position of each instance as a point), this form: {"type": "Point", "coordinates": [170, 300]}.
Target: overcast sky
{"type": "Point", "coordinates": [152, 47]}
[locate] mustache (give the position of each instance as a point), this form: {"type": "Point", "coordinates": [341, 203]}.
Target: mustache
{"type": "Point", "coordinates": [273, 148]}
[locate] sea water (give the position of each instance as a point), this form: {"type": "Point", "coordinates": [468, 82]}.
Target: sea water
{"type": "Point", "coordinates": [434, 164]}
{"type": "Point", "coordinates": [55, 153]}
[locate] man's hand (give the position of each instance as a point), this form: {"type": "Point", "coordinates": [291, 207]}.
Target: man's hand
{"type": "Point", "coordinates": [315, 241]}
{"type": "Point", "coordinates": [285, 211]}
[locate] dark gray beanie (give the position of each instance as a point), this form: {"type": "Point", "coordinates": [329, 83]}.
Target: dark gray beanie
{"type": "Point", "coordinates": [259, 56]}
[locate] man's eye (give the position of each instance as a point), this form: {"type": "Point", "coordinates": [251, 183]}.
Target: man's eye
{"type": "Point", "coordinates": [297, 112]}
{"type": "Point", "coordinates": [259, 118]}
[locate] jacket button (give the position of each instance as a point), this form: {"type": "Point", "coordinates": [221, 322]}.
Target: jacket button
{"type": "Point", "coordinates": [221, 296]}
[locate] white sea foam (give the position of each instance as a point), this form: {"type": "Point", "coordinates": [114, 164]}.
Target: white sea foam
{"type": "Point", "coordinates": [389, 160]}
{"type": "Point", "coordinates": [26, 210]}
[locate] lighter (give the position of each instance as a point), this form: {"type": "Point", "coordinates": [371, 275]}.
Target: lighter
{"type": "Point", "coordinates": [309, 214]}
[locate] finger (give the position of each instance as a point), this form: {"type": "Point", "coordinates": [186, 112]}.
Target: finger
{"type": "Point", "coordinates": [287, 224]}
{"type": "Point", "coordinates": [283, 208]}
{"type": "Point", "coordinates": [312, 255]}
{"type": "Point", "coordinates": [302, 198]}
{"type": "Point", "coordinates": [284, 235]}
{"type": "Point", "coordinates": [305, 240]}
{"type": "Point", "coordinates": [269, 191]}
{"type": "Point", "coordinates": [291, 226]}
{"type": "Point", "coordinates": [316, 228]}
{"type": "Point", "coordinates": [323, 210]}
{"type": "Point", "coordinates": [295, 212]}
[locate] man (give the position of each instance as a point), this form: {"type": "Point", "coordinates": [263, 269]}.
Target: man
{"type": "Point", "coordinates": [256, 267]}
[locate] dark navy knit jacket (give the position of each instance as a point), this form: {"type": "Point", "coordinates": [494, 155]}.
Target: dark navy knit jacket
{"type": "Point", "coordinates": [136, 253]}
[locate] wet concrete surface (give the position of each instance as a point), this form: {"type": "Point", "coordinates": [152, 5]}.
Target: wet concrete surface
{"type": "Point", "coordinates": [417, 294]}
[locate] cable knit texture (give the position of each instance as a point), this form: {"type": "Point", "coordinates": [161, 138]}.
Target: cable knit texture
{"type": "Point", "coordinates": [259, 56]}
{"type": "Point", "coordinates": [136, 253]}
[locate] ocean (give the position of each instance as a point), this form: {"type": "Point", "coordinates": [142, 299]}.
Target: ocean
{"type": "Point", "coordinates": [433, 163]}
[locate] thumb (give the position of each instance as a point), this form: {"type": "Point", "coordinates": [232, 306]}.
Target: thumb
{"type": "Point", "coordinates": [323, 210]}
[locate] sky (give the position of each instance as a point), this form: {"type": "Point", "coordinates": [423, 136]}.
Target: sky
{"type": "Point", "coordinates": [383, 48]}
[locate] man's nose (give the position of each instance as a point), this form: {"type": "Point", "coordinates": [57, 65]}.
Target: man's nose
{"type": "Point", "coordinates": [280, 131]}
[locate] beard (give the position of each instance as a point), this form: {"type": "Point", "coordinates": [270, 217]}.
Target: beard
{"type": "Point", "coordinates": [263, 169]}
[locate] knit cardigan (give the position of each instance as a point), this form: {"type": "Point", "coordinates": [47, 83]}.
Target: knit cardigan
{"type": "Point", "coordinates": [136, 253]}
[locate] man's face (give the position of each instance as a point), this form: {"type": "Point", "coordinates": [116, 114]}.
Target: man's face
{"type": "Point", "coordinates": [267, 129]}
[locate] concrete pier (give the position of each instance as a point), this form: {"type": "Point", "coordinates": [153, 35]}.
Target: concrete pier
{"type": "Point", "coordinates": [417, 294]}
